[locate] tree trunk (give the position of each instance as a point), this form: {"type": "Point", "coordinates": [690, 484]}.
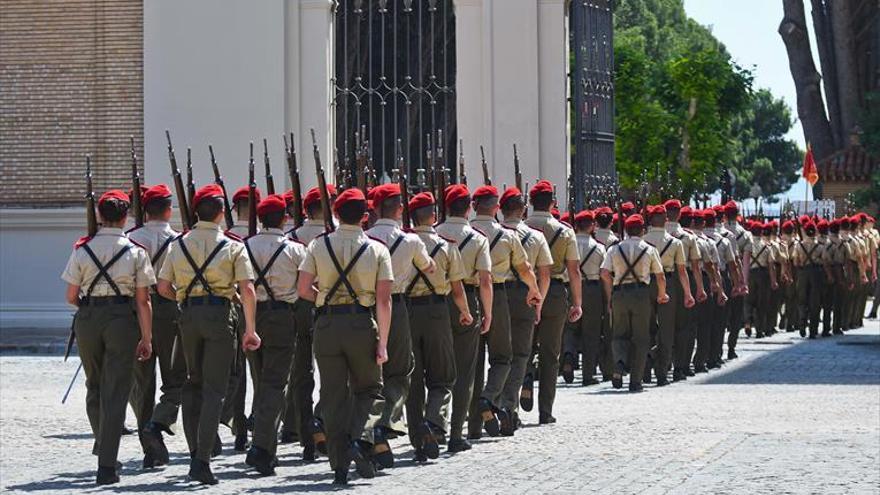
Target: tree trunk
{"type": "Point", "coordinates": [811, 109]}
{"type": "Point", "coordinates": [844, 53]}
{"type": "Point", "coordinates": [825, 43]}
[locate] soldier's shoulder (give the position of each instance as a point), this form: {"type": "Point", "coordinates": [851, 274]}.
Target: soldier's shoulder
{"type": "Point", "coordinates": [447, 239]}
{"type": "Point", "coordinates": [233, 236]}
{"type": "Point", "coordinates": [134, 229]}
{"type": "Point", "coordinates": [137, 244]}
{"type": "Point", "coordinates": [377, 240]}
{"type": "Point", "coordinates": [478, 231]}
{"type": "Point", "coordinates": [82, 241]}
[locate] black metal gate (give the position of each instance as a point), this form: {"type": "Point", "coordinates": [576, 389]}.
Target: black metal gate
{"type": "Point", "coordinates": [394, 80]}
{"type": "Point", "coordinates": [592, 99]}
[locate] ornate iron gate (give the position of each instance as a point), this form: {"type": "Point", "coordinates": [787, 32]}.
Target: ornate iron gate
{"type": "Point", "coordinates": [592, 98]}
{"type": "Point", "coordinates": [394, 79]}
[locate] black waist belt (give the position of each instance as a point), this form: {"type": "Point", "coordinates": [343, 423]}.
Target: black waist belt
{"type": "Point", "coordinates": [341, 309]}
{"type": "Point", "coordinates": [104, 300]}
{"type": "Point", "coordinates": [206, 301]}
{"type": "Point", "coordinates": [157, 299]}
{"type": "Point", "coordinates": [630, 286]}
{"type": "Point", "coordinates": [505, 285]}
{"type": "Point", "coordinates": [268, 305]}
{"type": "Point", "coordinates": [590, 282]}
{"type": "Point", "coordinates": [398, 297]}
{"type": "Point", "coordinates": [429, 299]}
{"type": "Point", "coordinates": [556, 281]}
{"type": "Point", "coordinates": [471, 289]}
{"type": "Point", "coordinates": [759, 268]}
{"type": "Point", "coordinates": [812, 266]}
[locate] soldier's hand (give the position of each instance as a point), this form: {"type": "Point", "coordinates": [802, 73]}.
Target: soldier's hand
{"type": "Point", "coordinates": [774, 285]}
{"type": "Point", "coordinates": [701, 295]}
{"type": "Point", "coordinates": [381, 354]}
{"type": "Point", "coordinates": [864, 279]}
{"type": "Point", "coordinates": [722, 298]}
{"type": "Point", "coordinates": [689, 302]}
{"type": "Point", "coordinates": [662, 298]}
{"type": "Point", "coordinates": [144, 350]}
{"type": "Point", "coordinates": [465, 319]}
{"type": "Point", "coordinates": [575, 313]}
{"type": "Point", "coordinates": [533, 298]}
{"type": "Point", "coordinates": [486, 324]}
{"type": "Point", "coordinates": [250, 342]}
{"type": "Point", "coordinates": [829, 279]}
{"type": "Point", "coordinates": [608, 310]}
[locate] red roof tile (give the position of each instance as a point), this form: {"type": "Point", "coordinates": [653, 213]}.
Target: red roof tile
{"type": "Point", "coordinates": [849, 164]}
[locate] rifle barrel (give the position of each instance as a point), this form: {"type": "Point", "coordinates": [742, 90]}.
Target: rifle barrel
{"type": "Point", "coordinates": [322, 186]}
{"type": "Point", "coordinates": [218, 179]}
{"type": "Point", "coordinates": [186, 216]}
{"type": "Point", "coordinates": [252, 194]}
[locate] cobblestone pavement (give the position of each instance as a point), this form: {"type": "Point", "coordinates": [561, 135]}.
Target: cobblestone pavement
{"type": "Point", "coordinates": [788, 416]}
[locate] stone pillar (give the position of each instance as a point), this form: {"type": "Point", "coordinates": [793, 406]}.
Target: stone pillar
{"type": "Point", "coordinates": [553, 90]}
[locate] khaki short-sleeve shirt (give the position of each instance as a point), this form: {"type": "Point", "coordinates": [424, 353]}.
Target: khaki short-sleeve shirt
{"type": "Point", "coordinates": [409, 252]}
{"type": "Point", "coordinates": [308, 231]}
{"type": "Point", "coordinates": [670, 249]}
{"type": "Point", "coordinates": [592, 254]}
{"type": "Point", "coordinates": [762, 254]}
{"type": "Point", "coordinates": [533, 241]}
{"type": "Point", "coordinates": [606, 237]}
{"type": "Point", "coordinates": [471, 244]}
{"type": "Point", "coordinates": [688, 241]}
{"type": "Point", "coordinates": [373, 266]}
{"type": "Point", "coordinates": [130, 272]}
{"type": "Point", "coordinates": [283, 275]}
{"type": "Point", "coordinates": [229, 266]}
{"type": "Point", "coordinates": [561, 240]}
{"type": "Point", "coordinates": [626, 253]}
{"type": "Point", "coordinates": [152, 236]}
{"type": "Point", "coordinates": [448, 265]}
{"type": "Point", "coordinates": [506, 252]}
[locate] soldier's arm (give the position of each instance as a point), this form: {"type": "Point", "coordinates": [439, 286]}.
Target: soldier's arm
{"type": "Point", "coordinates": [574, 283]}
{"type": "Point", "coordinates": [486, 296]}
{"type": "Point", "coordinates": [605, 275]}
{"type": "Point", "coordinates": [698, 280]}
{"type": "Point", "coordinates": [250, 341]}
{"type": "Point", "coordinates": [305, 287]}
{"type": "Point", "coordinates": [461, 302]}
{"type": "Point", "coordinates": [145, 321]}
{"type": "Point", "coordinates": [72, 294]}
{"type": "Point", "coordinates": [383, 318]}
{"type": "Point", "coordinates": [685, 282]}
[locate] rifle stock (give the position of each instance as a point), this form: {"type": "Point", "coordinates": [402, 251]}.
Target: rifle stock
{"type": "Point", "coordinates": [186, 217]}
{"type": "Point", "coordinates": [252, 195]}
{"type": "Point", "coordinates": [137, 209]}
{"type": "Point", "coordinates": [270, 181]}
{"type": "Point", "coordinates": [516, 171]}
{"type": "Point", "coordinates": [486, 179]}
{"type": "Point", "coordinates": [295, 185]}
{"type": "Point", "coordinates": [218, 179]}
{"type": "Point", "coordinates": [462, 176]}
{"type": "Point", "coordinates": [322, 186]}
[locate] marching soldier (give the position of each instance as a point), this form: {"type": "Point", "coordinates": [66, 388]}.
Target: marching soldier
{"type": "Point", "coordinates": [275, 259]}
{"type": "Point", "coordinates": [156, 235]}
{"type": "Point", "coordinates": [605, 236]}
{"type": "Point", "coordinates": [301, 416]}
{"type": "Point", "coordinates": [826, 289]}
{"type": "Point", "coordinates": [408, 254]}
{"type": "Point", "coordinates": [474, 249]}
{"type": "Point", "coordinates": [742, 239]}
{"type": "Point", "coordinates": [763, 278]}
{"type": "Point", "coordinates": [783, 267]}
{"type": "Point", "coordinates": [627, 269]}
{"type": "Point", "coordinates": [792, 318]}
{"type": "Point", "coordinates": [730, 283]}
{"type": "Point", "coordinates": [560, 305]}
{"type": "Point", "coordinates": [807, 257]}
{"type": "Point", "coordinates": [234, 405]}
{"type": "Point", "coordinates": [108, 276]}
{"type": "Point", "coordinates": [354, 282]}
{"type": "Point", "coordinates": [431, 336]}
{"type": "Point", "coordinates": [507, 255]}
{"type": "Point", "coordinates": [859, 266]}
{"type": "Point", "coordinates": [522, 315]}
{"type": "Point", "coordinates": [201, 272]}
{"type": "Point", "coordinates": [875, 236]}
{"type": "Point", "coordinates": [836, 256]}
{"type": "Point", "coordinates": [588, 330]}
{"type": "Point", "coordinates": [678, 287]}
{"type": "Point", "coordinates": [706, 317]}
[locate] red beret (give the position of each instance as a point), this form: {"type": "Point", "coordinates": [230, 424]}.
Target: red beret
{"type": "Point", "coordinates": [421, 199]}
{"type": "Point", "coordinates": [114, 194]}
{"type": "Point", "coordinates": [555, 213]}
{"type": "Point", "coordinates": [604, 210]}
{"type": "Point", "coordinates": [455, 192]}
{"type": "Point", "coordinates": [854, 221]}
{"type": "Point", "coordinates": [209, 191]}
{"type": "Point", "coordinates": [810, 225]}
{"type": "Point", "coordinates": [634, 221]}
{"type": "Point", "coordinates": [788, 226]}
{"type": "Point", "coordinates": [511, 192]}
{"type": "Point", "coordinates": [159, 191]}
{"type": "Point", "coordinates": [347, 196]}
{"type": "Point", "coordinates": [143, 191]}
{"type": "Point", "coordinates": [312, 196]}
{"type": "Point", "coordinates": [823, 225]}
{"type": "Point", "coordinates": [542, 186]}
{"type": "Point", "coordinates": [614, 218]}
{"type": "Point", "coordinates": [709, 214]}
{"type": "Point", "coordinates": [672, 204]}
{"type": "Point", "coordinates": [804, 219]}
{"type": "Point", "coordinates": [241, 194]}
{"type": "Point", "coordinates": [774, 224]}
{"type": "Point", "coordinates": [767, 228]}
{"type": "Point", "coordinates": [730, 208]}
{"type": "Point", "coordinates": [485, 191]}
{"type": "Point", "coordinates": [628, 207]}
{"type": "Point", "coordinates": [565, 217]}
{"type": "Point", "coordinates": [288, 196]}
{"type": "Point", "coordinates": [870, 219]}
{"type": "Point", "coordinates": [583, 216]}
{"type": "Point", "coordinates": [382, 192]}
{"type": "Point", "coordinates": [687, 212]}
{"type": "Point", "coordinates": [756, 228]}
{"type": "Point", "coordinates": [718, 209]}
{"type": "Point", "coordinates": [271, 204]}
{"type": "Point", "coordinates": [863, 217]}
{"type": "Point", "coordinates": [655, 210]}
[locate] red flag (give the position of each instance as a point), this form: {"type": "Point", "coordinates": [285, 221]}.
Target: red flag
{"type": "Point", "coordinates": [810, 172]}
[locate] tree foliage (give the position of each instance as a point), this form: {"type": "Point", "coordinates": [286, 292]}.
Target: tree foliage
{"type": "Point", "coordinates": [686, 112]}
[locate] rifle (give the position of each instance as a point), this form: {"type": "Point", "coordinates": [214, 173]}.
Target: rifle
{"type": "Point", "coordinates": [322, 186]}
{"type": "Point", "coordinates": [571, 205]}
{"type": "Point", "coordinates": [440, 167]}
{"type": "Point", "coordinates": [91, 230]}
{"type": "Point", "coordinates": [294, 181]}
{"type": "Point", "coordinates": [406, 220]}
{"type": "Point", "coordinates": [462, 177]}
{"type": "Point", "coordinates": [360, 159]}
{"type": "Point", "coordinates": [486, 179]}
{"type": "Point", "coordinates": [429, 165]}
{"type": "Point", "coordinates": [252, 195]}
{"type": "Point", "coordinates": [270, 182]}
{"type": "Point", "coordinates": [137, 210]}
{"type": "Point", "coordinates": [190, 185]}
{"type": "Point", "coordinates": [186, 216]}
{"type": "Point", "coordinates": [516, 172]}
{"type": "Point", "coordinates": [218, 179]}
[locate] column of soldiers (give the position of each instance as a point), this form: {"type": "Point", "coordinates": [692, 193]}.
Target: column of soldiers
{"type": "Point", "coordinates": [402, 321]}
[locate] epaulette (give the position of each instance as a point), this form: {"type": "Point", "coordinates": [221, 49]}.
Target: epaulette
{"type": "Point", "coordinates": [479, 231]}
{"type": "Point", "coordinates": [566, 224]}
{"type": "Point", "coordinates": [534, 228]}
{"type": "Point", "coordinates": [291, 239]}
{"type": "Point", "coordinates": [82, 241]}
{"type": "Point", "coordinates": [322, 234]}
{"type": "Point", "coordinates": [378, 240]}
{"type": "Point", "coordinates": [447, 239]}
{"type": "Point", "coordinates": [506, 227]}
{"type": "Point", "coordinates": [233, 236]}
{"type": "Point", "coordinates": [129, 231]}
{"type": "Point", "coordinates": [136, 243]}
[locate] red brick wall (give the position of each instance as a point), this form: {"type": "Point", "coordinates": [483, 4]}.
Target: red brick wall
{"type": "Point", "coordinates": [71, 83]}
